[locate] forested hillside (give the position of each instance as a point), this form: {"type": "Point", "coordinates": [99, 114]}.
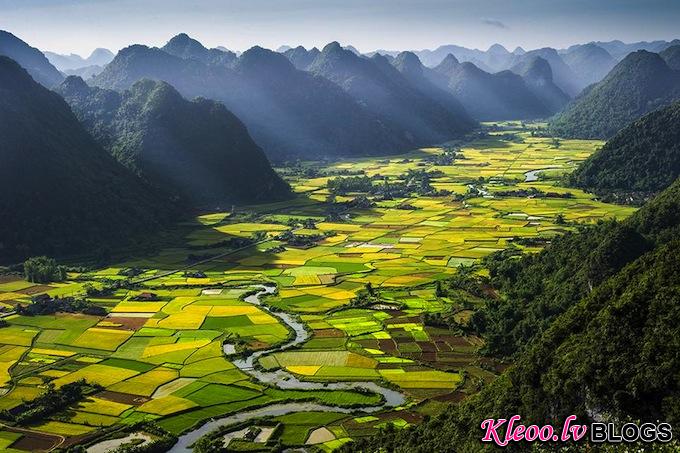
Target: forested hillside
{"type": "Point", "coordinates": [196, 150]}
{"type": "Point", "coordinates": [639, 84]}
{"type": "Point", "coordinates": [78, 196]}
{"type": "Point", "coordinates": [640, 160]}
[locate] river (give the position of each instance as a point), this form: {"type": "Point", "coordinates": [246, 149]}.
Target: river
{"type": "Point", "coordinates": [284, 380]}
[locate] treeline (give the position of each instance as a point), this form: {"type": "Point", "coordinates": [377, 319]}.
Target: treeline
{"type": "Point", "coordinates": [413, 182]}
{"type": "Point", "coordinates": [53, 400]}
{"type": "Point", "coordinates": [46, 305]}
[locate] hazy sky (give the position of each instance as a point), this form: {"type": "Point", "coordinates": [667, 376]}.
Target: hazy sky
{"type": "Point", "coordinates": [81, 25]}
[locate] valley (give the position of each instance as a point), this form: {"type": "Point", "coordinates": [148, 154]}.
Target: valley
{"type": "Point", "coordinates": [356, 258]}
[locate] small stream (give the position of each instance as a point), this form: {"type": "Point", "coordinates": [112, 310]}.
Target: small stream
{"type": "Point", "coordinates": [531, 176]}
{"type": "Point", "coordinates": [284, 380]}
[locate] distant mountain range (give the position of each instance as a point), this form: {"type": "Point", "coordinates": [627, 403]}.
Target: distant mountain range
{"type": "Point", "coordinates": [196, 150]}
{"type": "Point", "coordinates": [573, 68]}
{"type": "Point", "coordinates": [640, 83]}
{"type": "Point", "coordinates": [486, 96]}
{"type": "Point", "coordinates": [415, 115]}
{"type": "Point", "coordinates": [289, 112]}
{"type": "Point", "coordinates": [457, 87]}
{"type": "Point", "coordinates": [76, 196]}
{"type": "Point", "coordinates": [98, 57]}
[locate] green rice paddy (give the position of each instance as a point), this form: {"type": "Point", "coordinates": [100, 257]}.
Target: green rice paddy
{"type": "Point", "coordinates": [162, 360]}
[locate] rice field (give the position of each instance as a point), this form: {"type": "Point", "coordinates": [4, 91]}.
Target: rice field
{"type": "Point", "coordinates": [161, 359]}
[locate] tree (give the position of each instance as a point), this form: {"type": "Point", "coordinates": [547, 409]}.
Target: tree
{"type": "Point", "coordinates": [439, 291]}
{"type": "Point", "coordinates": [41, 269]}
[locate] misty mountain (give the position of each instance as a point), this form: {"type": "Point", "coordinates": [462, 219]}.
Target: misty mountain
{"type": "Point", "coordinates": [537, 75]}
{"type": "Point", "coordinates": [86, 72]}
{"type": "Point", "coordinates": [30, 58]}
{"type": "Point", "coordinates": [642, 82]}
{"type": "Point", "coordinates": [78, 196]}
{"type": "Point", "coordinates": [642, 157]}
{"type": "Point", "coordinates": [384, 91]}
{"type": "Point", "coordinates": [432, 58]}
{"type": "Point", "coordinates": [196, 150]}
{"type": "Point", "coordinates": [301, 57]}
{"type": "Point", "coordinates": [486, 96]}
{"type": "Point", "coordinates": [187, 48]}
{"type": "Point", "coordinates": [420, 77]}
{"type": "Point", "coordinates": [590, 62]}
{"type": "Point", "coordinates": [619, 50]}
{"type": "Point", "coordinates": [288, 112]}
{"type": "Point", "coordinates": [562, 75]}
{"type": "Point", "coordinates": [672, 57]}
{"type": "Point", "coordinates": [98, 57]}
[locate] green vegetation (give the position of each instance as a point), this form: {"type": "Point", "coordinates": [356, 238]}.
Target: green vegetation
{"type": "Point", "coordinates": [618, 291]}
{"type": "Point", "coordinates": [639, 84]}
{"type": "Point", "coordinates": [46, 305]}
{"type": "Point", "coordinates": [386, 284]}
{"type": "Point", "coordinates": [51, 401]}
{"type": "Point", "coordinates": [196, 150]}
{"type": "Point", "coordinates": [42, 269]}
{"type": "Point", "coordinates": [639, 161]}
{"type": "Point", "coordinates": [80, 196]}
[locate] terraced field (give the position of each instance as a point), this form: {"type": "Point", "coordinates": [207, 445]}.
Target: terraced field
{"type": "Point", "coordinates": [158, 354]}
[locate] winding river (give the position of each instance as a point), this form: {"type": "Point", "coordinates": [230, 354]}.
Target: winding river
{"type": "Point", "coordinates": [284, 380]}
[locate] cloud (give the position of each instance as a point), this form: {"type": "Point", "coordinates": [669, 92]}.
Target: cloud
{"type": "Point", "coordinates": [494, 23]}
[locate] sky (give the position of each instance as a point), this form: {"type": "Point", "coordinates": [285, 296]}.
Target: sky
{"type": "Point", "coordinates": [79, 26]}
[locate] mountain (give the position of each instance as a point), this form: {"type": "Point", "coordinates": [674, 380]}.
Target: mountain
{"type": "Point", "coordinates": [432, 58]}
{"type": "Point", "coordinates": [30, 58]}
{"type": "Point", "coordinates": [420, 77]}
{"type": "Point", "coordinates": [563, 76]}
{"type": "Point", "coordinates": [385, 92]}
{"type": "Point", "coordinates": [184, 47]}
{"type": "Point", "coordinates": [301, 57]}
{"type": "Point", "coordinates": [497, 58]}
{"type": "Point", "coordinates": [619, 50]}
{"type": "Point", "coordinates": [99, 57]}
{"type": "Point", "coordinates": [642, 82]}
{"type": "Point", "coordinates": [672, 57]}
{"type": "Point", "coordinates": [64, 62]}
{"type": "Point", "coordinates": [352, 49]}
{"type": "Point", "coordinates": [78, 196]}
{"type": "Point", "coordinates": [86, 72]}
{"type": "Point", "coordinates": [488, 97]}
{"type": "Point", "coordinates": [197, 150]}
{"type": "Point", "coordinates": [613, 284]}
{"type": "Point", "coordinates": [643, 157]}
{"type": "Point", "coordinates": [537, 75]}
{"type": "Point", "coordinates": [590, 62]}
{"type": "Point", "coordinates": [290, 113]}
